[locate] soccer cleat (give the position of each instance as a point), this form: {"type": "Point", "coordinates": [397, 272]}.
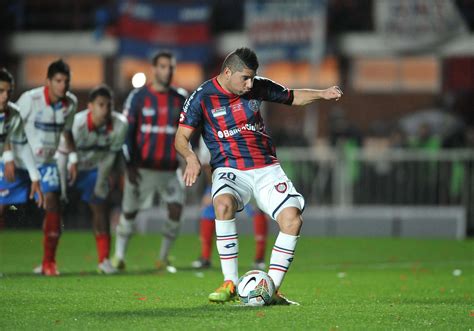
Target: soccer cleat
{"type": "Point", "coordinates": [280, 300]}
{"type": "Point", "coordinates": [47, 269]}
{"type": "Point", "coordinates": [259, 265]}
{"type": "Point", "coordinates": [38, 270]}
{"type": "Point", "coordinates": [165, 265]}
{"type": "Point", "coordinates": [201, 263]}
{"type": "Point", "coordinates": [118, 264]}
{"type": "Point", "coordinates": [225, 293]}
{"type": "Point", "coordinates": [106, 267]}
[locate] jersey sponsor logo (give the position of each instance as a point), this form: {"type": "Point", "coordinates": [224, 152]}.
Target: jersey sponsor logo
{"type": "Point", "coordinates": [254, 105]}
{"type": "Point", "coordinates": [246, 127]}
{"type": "Point", "coordinates": [181, 118]}
{"type": "Point", "coordinates": [146, 111]}
{"type": "Point", "coordinates": [237, 107]}
{"type": "Point", "coordinates": [281, 187]}
{"type": "Point", "coordinates": [148, 128]}
{"type": "Point", "coordinates": [216, 112]}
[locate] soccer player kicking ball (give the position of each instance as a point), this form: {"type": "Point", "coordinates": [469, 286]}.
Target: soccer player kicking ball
{"type": "Point", "coordinates": [244, 161]}
{"type": "Point", "coordinates": [99, 134]}
{"type": "Point", "coordinates": [153, 115]}
{"type": "Point", "coordinates": [48, 113]}
{"type": "Point", "coordinates": [16, 153]}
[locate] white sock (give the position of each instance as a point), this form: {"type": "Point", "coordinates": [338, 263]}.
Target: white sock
{"type": "Point", "coordinates": [124, 232]}
{"type": "Point", "coordinates": [228, 247]}
{"type": "Point", "coordinates": [170, 231]}
{"type": "Point", "coordinates": [282, 256]}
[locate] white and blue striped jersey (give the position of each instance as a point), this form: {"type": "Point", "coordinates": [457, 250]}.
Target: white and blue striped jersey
{"type": "Point", "coordinates": [45, 122]}
{"type": "Point", "coordinates": [93, 144]}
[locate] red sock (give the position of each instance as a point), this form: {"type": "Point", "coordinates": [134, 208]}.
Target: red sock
{"type": "Point", "coordinates": [51, 234]}
{"type": "Point", "coordinates": [261, 228]}
{"type": "Point", "coordinates": [102, 241]}
{"type": "Point", "coordinates": [207, 230]}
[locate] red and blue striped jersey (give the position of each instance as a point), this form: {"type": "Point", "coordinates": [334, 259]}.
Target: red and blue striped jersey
{"type": "Point", "coordinates": [233, 127]}
{"type": "Point", "coordinates": [153, 119]}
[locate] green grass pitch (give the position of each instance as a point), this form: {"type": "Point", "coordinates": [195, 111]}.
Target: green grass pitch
{"type": "Point", "coordinates": [341, 283]}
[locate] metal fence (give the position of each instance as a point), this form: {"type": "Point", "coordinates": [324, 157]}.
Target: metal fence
{"type": "Point", "coordinates": [391, 177]}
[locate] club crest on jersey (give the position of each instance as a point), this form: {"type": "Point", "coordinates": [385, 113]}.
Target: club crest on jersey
{"type": "Point", "coordinates": [254, 105]}
{"type": "Point", "coordinates": [281, 187]}
{"type": "Point", "coordinates": [216, 112]}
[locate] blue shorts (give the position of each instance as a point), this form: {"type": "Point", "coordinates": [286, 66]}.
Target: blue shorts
{"type": "Point", "coordinates": [207, 212]}
{"type": "Point", "coordinates": [16, 192]}
{"type": "Point", "coordinates": [249, 210]}
{"type": "Point", "coordinates": [85, 183]}
{"type": "Point", "coordinates": [49, 178]}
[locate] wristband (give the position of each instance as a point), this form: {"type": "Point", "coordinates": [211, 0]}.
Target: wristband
{"type": "Point", "coordinates": [7, 156]}
{"type": "Point", "coordinates": [72, 158]}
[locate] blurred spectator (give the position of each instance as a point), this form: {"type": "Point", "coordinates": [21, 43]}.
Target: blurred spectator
{"type": "Point", "coordinates": [424, 139]}
{"type": "Point", "coordinates": [425, 174]}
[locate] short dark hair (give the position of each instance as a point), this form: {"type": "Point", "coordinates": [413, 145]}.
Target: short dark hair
{"type": "Point", "coordinates": [239, 59]}
{"type": "Point", "coordinates": [58, 67]}
{"type": "Point", "coordinates": [102, 91]}
{"type": "Point", "coordinates": [163, 53]}
{"type": "Point", "coordinates": [6, 76]}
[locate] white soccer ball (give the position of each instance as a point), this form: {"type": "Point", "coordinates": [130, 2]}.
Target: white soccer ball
{"type": "Point", "coordinates": [255, 288]}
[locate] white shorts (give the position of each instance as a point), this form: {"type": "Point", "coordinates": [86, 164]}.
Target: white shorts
{"type": "Point", "coordinates": [167, 184]}
{"type": "Point", "coordinates": [270, 187]}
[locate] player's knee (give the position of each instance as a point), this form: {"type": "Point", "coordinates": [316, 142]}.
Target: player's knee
{"type": "Point", "coordinates": [290, 221]}
{"type": "Point", "coordinates": [174, 211]}
{"type": "Point", "coordinates": [225, 207]}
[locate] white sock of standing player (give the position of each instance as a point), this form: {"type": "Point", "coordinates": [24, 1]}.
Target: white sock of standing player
{"type": "Point", "coordinates": [124, 232]}
{"type": "Point", "coordinates": [228, 247]}
{"type": "Point", "coordinates": [170, 232]}
{"type": "Point", "coordinates": [282, 256]}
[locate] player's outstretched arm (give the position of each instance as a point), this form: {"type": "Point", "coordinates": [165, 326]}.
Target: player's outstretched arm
{"type": "Point", "coordinates": [193, 166]}
{"type": "Point", "coordinates": [303, 97]}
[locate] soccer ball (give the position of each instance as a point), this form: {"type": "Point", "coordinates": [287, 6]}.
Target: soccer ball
{"type": "Point", "coordinates": [255, 288]}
